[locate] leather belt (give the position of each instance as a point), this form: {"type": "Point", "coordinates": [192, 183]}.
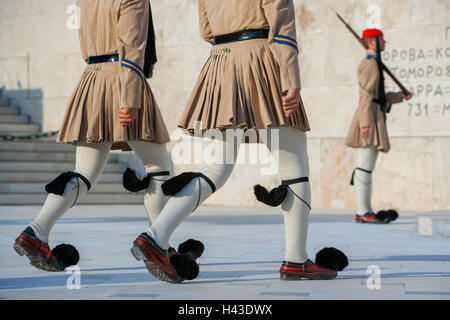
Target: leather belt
{"type": "Point", "coordinates": [103, 59]}
{"type": "Point", "coordinates": [241, 35]}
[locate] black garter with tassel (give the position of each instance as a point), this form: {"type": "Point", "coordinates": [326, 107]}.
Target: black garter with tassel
{"type": "Point", "coordinates": [58, 185]}
{"type": "Point", "coordinates": [277, 195]}
{"type": "Point", "coordinates": [133, 184]}
{"type": "Point", "coordinates": [273, 198]}
{"type": "Point", "coordinates": [352, 180]}
{"type": "Point", "coordinates": [174, 185]}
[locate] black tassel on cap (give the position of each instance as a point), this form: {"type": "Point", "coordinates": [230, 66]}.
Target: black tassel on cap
{"type": "Point", "coordinates": [150, 49]}
{"type": "Point", "coordinates": [331, 258]}
{"type": "Point", "coordinates": [273, 198]}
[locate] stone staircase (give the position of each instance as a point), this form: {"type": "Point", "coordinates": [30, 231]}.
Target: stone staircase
{"type": "Point", "coordinates": [26, 166]}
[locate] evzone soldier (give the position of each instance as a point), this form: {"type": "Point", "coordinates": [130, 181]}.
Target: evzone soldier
{"type": "Point", "coordinates": [112, 107]}
{"type": "Point", "coordinates": [368, 132]}
{"type": "Point", "coordinates": [250, 81]}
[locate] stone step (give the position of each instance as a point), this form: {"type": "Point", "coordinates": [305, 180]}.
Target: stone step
{"type": "Point", "coordinates": [56, 167]}
{"type": "Point", "coordinates": [9, 110]}
{"type": "Point", "coordinates": [46, 177]}
{"type": "Point", "coordinates": [12, 118]}
{"type": "Point", "coordinates": [35, 145]}
{"type": "Point", "coordinates": [38, 187]}
{"type": "Point", "coordinates": [5, 101]}
{"type": "Point", "coordinates": [18, 129]}
{"type": "Point", "coordinates": [36, 156]}
{"type": "Point", "coordinates": [434, 224]}
{"type": "Point", "coordinates": [90, 198]}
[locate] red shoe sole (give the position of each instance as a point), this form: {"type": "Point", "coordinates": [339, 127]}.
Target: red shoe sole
{"type": "Point", "coordinates": [370, 222]}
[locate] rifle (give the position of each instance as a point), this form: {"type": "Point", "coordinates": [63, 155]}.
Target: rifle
{"type": "Point", "coordinates": [361, 41]}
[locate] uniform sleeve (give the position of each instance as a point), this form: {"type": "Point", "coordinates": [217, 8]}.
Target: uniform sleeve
{"type": "Point", "coordinates": [132, 29]}
{"type": "Point", "coordinates": [283, 40]}
{"type": "Point", "coordinates": [368, 81]}
{"type": "Point", "coordinates": [394, 97]}
{"type": "Point", "coordinates": [81, 36]}
{"type": "Point", "coordinates": [205, 27]}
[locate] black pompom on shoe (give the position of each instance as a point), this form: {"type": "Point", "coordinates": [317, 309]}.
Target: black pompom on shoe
{"type": "Point", "coordinates": [273, 198]}
{"type": "Point", "coordinates": [186, 267]}
{"type": "Point", "coordinates": [132, 183]}
{"type": "Point", "coordinates": [331, 258]}
{"type": "Point", "coordinates": [66, 254]}
{"type": "Point", "coordinates": [392, 215]}
{"type": "Point", "coordinates": [387, 216]}
{"type": "Point", "coordinates": [193, 248]}
{"type": "Point", "coordinates": [381, 215]}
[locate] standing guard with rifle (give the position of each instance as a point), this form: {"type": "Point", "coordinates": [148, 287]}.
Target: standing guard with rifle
{"type": "Point", "coordinates": [368, 130]}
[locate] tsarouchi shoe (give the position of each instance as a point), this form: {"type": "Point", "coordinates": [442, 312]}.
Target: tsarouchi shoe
{"type": "Point", "coordinates": [155, 258]}
{"type": "Point", "coordinates": [40, 255]}
{"type": "Point", "coordinates": [368, 217]}
{"type": "Point", "coordinates": [381, 217]}
{"type": "Point", "coordinates": [305, 270]}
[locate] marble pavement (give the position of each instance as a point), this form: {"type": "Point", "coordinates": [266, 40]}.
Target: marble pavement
{"type": "Point", "coordinates": [244, 248]}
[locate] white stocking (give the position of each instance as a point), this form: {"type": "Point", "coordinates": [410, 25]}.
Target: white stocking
{"type": "Point", "coordinates": [294, 164]}
{"type": "Point", "coordinates": [363, 180]}
{"type": "Point", "coordinates": [195, 192]}
{"type": "Point", "coordinates": [155, 158]}
{"type": "Point", "coordinates": [90, 162]}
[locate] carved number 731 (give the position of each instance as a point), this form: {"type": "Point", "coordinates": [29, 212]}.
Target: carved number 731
{"type": "Point", "coordinates": [417, 109]}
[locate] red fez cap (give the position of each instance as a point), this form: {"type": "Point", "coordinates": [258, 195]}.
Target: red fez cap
{"type": "Point", "coordinates": [372, 33]}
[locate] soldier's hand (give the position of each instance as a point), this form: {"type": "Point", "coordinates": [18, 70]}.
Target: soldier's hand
{"type": "Point", "coordinates": [291, 101]}
{"type": "Point", "coordinates": [407, 97]}
{"type": "Point", "coordinates": [365, 132]}
{"type": "Point", "coordinates": [127, 116]}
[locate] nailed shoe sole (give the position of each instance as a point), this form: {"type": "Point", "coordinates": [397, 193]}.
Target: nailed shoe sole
{"type": "Point", "coordinates": [38, 261]}
{"type": "Point", "coordinates": [372, 222]}
{"type": "Point", "coordinates": [311, 276]}
{"type": "Point", "coordinates": [152, 266]}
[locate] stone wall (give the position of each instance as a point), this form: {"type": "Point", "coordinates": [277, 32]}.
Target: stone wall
{"type": "Point", "coordinates": [39, 51]}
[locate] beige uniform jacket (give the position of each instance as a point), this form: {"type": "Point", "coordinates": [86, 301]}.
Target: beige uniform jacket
{"type": "Point", "coordinates": [219, 17]}
{"type": "Point", "coordinates": [126, 35]}
{"type": "Point", "coordinates": [110, 27]}
{"type": "Point", "coordinates": [369, 113]}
